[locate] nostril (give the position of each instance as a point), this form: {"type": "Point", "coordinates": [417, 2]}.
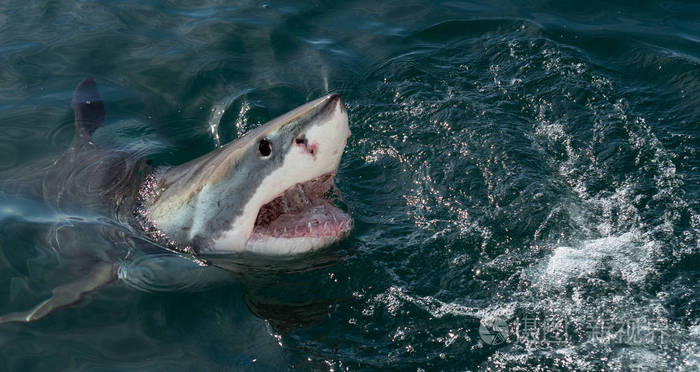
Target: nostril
{"type": "Point", "coordinates": [304, 142]}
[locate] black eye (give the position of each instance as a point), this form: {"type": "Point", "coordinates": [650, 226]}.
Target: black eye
{"type": "Point", "coordinates": [265, 147]}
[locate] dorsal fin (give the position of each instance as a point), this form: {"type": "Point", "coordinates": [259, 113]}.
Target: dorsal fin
{"type": "Point", "coordinates": [88, 106]}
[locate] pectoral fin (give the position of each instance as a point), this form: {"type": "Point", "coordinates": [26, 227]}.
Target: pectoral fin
{"type": "Point", "coordinates": [66, 294]}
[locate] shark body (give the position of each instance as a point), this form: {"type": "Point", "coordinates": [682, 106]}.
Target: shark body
{"type": "Point", "coordinates": [265, 193]}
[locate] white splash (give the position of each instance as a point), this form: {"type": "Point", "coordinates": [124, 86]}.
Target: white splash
{"type": "Point", "coordinates": [627, 256]}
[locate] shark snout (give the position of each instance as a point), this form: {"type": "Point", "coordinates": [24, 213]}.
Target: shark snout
{"type": "Point", "coordinates": [338, 104]}
{"type": "Point", "coordinates": [328, 138]}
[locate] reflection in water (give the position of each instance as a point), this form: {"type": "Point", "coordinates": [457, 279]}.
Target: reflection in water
{"type": "Point", "coordinates": [273, 290]}
{"type": "Point", "coordinates": [286, 316]}
{"type": "Point", "coordinates": [255, 266]}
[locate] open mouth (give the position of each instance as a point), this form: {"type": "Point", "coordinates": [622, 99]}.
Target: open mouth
{"type": "Point", "coordinates": [303, 211]}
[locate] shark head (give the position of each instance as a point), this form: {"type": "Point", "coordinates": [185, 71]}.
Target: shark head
{"type": "Point", "coordinates": [263, 193]}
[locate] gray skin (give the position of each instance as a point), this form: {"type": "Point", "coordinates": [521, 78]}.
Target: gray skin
{"type": "Point", "coordinates": [85, 178]}
{"type": "Point", "coordinates": [103, 195]}
{"type": "Point", "coordinates": [83, 188]}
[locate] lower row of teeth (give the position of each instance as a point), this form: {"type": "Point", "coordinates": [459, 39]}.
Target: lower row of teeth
{"type": "Point", "coordinates": [300, 230]}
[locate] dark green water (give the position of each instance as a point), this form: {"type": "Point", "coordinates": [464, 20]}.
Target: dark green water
{"type": "Point", "coordinates": [527, 170]}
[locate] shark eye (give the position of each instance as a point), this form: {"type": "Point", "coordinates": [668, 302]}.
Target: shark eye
{"type": "Point", "coordinates": [265, 147]}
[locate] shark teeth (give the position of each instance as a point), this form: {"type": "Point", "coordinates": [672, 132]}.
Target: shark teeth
{"type": "Point", "coordinates": [302, 212]}
{"type": "Point", "coordinates": [296, 200]}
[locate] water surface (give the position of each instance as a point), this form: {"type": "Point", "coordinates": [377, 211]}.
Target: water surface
{"type": "Point", "coordinates": [523, 178]}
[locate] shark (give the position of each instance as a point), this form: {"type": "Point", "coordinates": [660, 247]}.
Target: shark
{"type": "Point", "coordinates": [265, 194]}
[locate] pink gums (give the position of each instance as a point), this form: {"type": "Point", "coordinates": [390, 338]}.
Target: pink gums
{"type": "Point", "coordinates": [302, 212]}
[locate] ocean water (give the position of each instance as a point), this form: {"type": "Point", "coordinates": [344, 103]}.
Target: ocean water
{"type": "Point", "coordinates": [523, 178]}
